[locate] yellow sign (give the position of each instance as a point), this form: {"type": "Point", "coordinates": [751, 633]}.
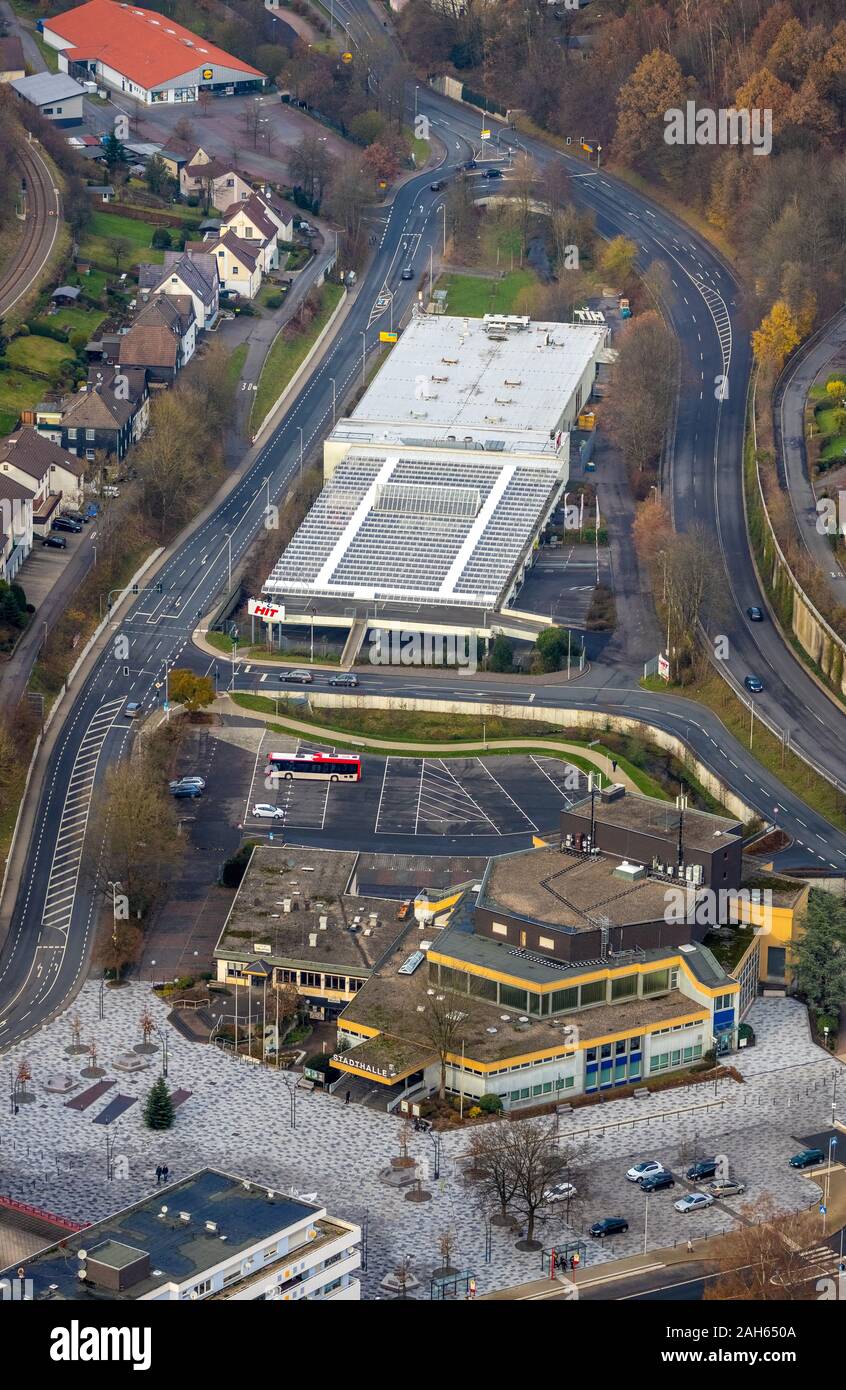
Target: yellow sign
{"type": "Point", "coordinates": [346, 57]}
{"type": "Point", "coordinates": [486, 135]}
{"type": "Point", "coordinates": [387, 337]}
{"type": "Point", "coordinates": [208, 74]}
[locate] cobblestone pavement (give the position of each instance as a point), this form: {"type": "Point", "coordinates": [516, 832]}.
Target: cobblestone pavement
{"type": "Point", "coordinates": [238, 1119]}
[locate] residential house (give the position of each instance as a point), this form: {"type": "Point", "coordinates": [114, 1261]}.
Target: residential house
{"type": "Point", "coordinates": [239, 265]}
{"type": "Point", "coordinates": [57, 97]}
{"type": "Point", "coordinates": [12, 65]}
{"type": "Point", "coordinates": [15, 526]}
{"type": "Point", "coordinates": [51, 475]}
{"type": "Point", "coordinates": [230, 187]}
{"type": "Point", "coordinates": [249, 221]}
{"type": "Point", "coordinates": [191, 272]}
{"type": "Point", "coordinates": [162, 338]}
{"type": "Point", "coordinates": [109, 415]}
{"type": "Point", "coordinates": [176, 154]}
{"type": "Point", "coordinates": [275, 209]}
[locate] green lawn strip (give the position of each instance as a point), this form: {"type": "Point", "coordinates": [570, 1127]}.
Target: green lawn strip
{"type": "Point", "coordinates": [234, 368]}
{"type": "Point", "coordinates": [473, 296]}
{"type": "Point", "coordinates": [815, 791]}
{"type": "Point", "coordinates": [826, 418]}
{"type": "Point", "coordinates": [37, 354]}
{"type": "Point", "coordinates": [834, 449]}
{"type": "Point", "coordinates": [109, 224]}
{"type": "Point", "coordinates": [19, 390]}
{"type": "Point", "coordinates": [286, 354]}
{"type": "Point", "coordinates": [343, 724]}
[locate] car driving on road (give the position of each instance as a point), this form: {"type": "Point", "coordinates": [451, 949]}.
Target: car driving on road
{"type": "Point", "coordinates": [264, 811]}
{"type": "Point", "coordinates": [438, 185]}
{"type": "Point", "coordinates": [694, 1201]}
{"type": "Point", "coordinates": [755, 614]}
{"type": "Point", "coordinates": [754, 683]}
{"type": "Point", "coordinates": [346, 678]}
{"type": "Point", "coordinates": [297, 675]}
{"type": "Point", "coordinates": [493, 174]}
{"type": "Point", "coordinates": [407, 274]}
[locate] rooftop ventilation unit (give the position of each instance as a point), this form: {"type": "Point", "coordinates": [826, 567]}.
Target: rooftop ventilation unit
{"type": "Point", "coordinates": [630, 872]}
{"type": "Point", "coordinates": [312, 938]}
{"type": "Point", "coordinates": [323, 921]}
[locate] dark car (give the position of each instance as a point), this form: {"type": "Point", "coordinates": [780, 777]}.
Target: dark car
{"type": "Point", "coordinates": [493, 173]}
{"type": "Point", "coordinates": [64, 523]}
{"type": "Point", "coordinates": [755, 614]}
{"type": "Point", "coordinates": [608, 1226]}
{"type": "Point", "coordinates": [754, 683]}
{"type": "Point", "coordinates": [808, 1158]}
{"type": "Point", "coordinates": [55, 542]}
{"type": "Point", "coordinates": [470, 164]}
{"type": "Point", "coordinates": [702, 1169]}
{"type": "Point", "coordinates": [298, 675]}
{"type": "Point", "coordinates": [346, 678]}
{"type": "Point", "coordinates": [438, 185]}
{"type": "Point", "coordinates": [70, 515]}
{"type": "Point", "coordinates": [657, 1182]}
{"type": "Point", "coordinates": [407, 274]}
{"type": "Point", "coordinates": [187, 791]}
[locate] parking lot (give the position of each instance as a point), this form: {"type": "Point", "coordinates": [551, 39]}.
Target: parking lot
{"type": "Point", "coordinates": [492, 798]}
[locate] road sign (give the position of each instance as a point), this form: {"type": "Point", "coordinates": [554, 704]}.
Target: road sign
{"type": "Point", "coordinates": [663, 667]}
{"type": "Point", "coordinates": [387, 337]}
{"type": "Point", "coordinates": [486, 135]}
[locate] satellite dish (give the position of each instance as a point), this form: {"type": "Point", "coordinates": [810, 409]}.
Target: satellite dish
{"type": "Point", "coordinates": [82, 1254]}
{"type": "Point", "coordinates": [164, 1211]}
{"type": "Point", "coordinates": [82, 1274]}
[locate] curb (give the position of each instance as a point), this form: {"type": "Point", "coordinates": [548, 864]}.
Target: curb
{"type": "Point", "coordinates": [343, 305]}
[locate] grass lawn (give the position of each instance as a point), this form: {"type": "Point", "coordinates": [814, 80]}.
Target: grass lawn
{"type": "Point", "coordinates": [826, 419]}
{"type": "Point", "coordinates": [18, 390]}
{"type": "Point", "coordinates": [104, 227]}
{"type": "Point", "coordinates": [39, 354]}
{"type": "Point", "coordinates": [93, 284]}
{"type": "Point", "coordinates": [472, 296]}
{"type": "Point", "coordinates": [834, 449]}
{"type": "Point", "coordinates": [268, 289]}
{"type": "Point", "coordinates": [235, 366]}
{"type": "Point", "coordinates": [792, 771]}
{"type": "Point", "coordinates": [286, 355]}
{"type": "Point", "coordinates": [88, 320]}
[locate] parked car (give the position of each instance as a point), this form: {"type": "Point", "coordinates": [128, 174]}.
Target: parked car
{"type": "Point", "coordinates": [74, 516]}
{"type": "Point", "coordinates": [188, 782]}
{"type": "Point", "coordinates": [438, 185]}
{"type": "Point", "coordinates": [755, 614]}
{"type": "Point", "coordinates": [702, 1169]}
{"type": "Point", "coordinates": [694, 1201]}
{"type": "Point", "coordinates": [346, 678]}
{"type": "Point", "coordinates": [658, 1182]}
{"type": "Point", "coordinates": [297, 675]}
{"type": "Point", "coordinates": [647, 1169]}
{"type": "Point", "coordinates": [608, 1226]}
{"type": "Point", "coordinates": [559, 1192]}
{"type": "Point", "coordinates": [55, 542]}
{"type": "Point", "coordinates": [110, 491]}
{"type": "Point", "coordinates": [64, 523]}
{"type": "Point", "coordinates": [808, 1158]}
{"type": "Point", "coordinates": [726, 1188]}
{"type": "Point", "coordinates": [266, 812]}
{"type": "Point", "coordinates": [493, 174]}
{"type": "Point", "coordinates": [91, 511]}
{"type": "Point", "coordinates": [754, 683]}
{"type": "Point", "coordinates": [407, 274]}
{"type": "Point", "coordinates": [183, 793]}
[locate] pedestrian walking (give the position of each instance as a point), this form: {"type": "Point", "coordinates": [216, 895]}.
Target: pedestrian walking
{"type": "Point", "coordinates": [347, 1098]}
{"type": "Point", "coordinates": [158, 1174]}
{"type": "Point", "coordinates": [165, 1172]}
{"type": "Point", "coordinates": [689, 1246]}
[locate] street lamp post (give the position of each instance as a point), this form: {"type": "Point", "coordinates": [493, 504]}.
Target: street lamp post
{"type": "Point", "coordinates": [363, 353]}
{"type": "Point", "coordinates": [114, 887]}
{"type": "Point", "coordinates": [163, 1040]}
{"type": "Point", "coordinates": [300, 428]}
{"type": "Point", "coordinates": [332, 379]}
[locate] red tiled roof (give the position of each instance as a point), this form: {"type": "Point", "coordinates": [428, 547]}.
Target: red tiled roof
{"type": "Point", "coordinates": [146, 47]}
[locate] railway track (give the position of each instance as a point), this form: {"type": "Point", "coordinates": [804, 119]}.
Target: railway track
{"type": "Point", "coordinates": [40, 229]}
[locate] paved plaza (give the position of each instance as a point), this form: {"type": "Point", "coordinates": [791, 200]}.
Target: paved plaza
{"type": "Point", "coordinates": [238, 1117]}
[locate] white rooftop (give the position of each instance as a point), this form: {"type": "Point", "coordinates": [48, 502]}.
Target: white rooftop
{"type": "Point", "coordinates": [495, 378]}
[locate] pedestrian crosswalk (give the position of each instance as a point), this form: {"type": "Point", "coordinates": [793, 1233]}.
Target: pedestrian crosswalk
{"type": "Point", "coordinates": [70, 841]}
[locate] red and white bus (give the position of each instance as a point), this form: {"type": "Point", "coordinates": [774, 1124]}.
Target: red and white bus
{"type": "Point", "coordinates": [331, 767]}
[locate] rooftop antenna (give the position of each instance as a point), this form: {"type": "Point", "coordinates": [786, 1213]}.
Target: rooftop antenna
{"type": "Point", "coordinates": [681, 802]}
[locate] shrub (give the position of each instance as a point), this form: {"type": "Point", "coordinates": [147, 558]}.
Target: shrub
{"type": "Point", "coordinates": [490, 1105]}
{"type": "Point", "coordinates": [161, 239]}
{"type": "Point", "coordinates": [46, 330]}
{"type": "Point", "coordinates": [236, 866]}
{"type": "Point", "coordinates": [23, 331]}
{"type": "Point", "coordinates": [273, 300]}
{"type": "Point", "coordinates": [474, 1112]}
{"type": "Point", "coordinates": [78, 339]}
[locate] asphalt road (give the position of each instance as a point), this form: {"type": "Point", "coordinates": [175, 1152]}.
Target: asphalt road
{"type": "Point", "coordinates": [45, 955]}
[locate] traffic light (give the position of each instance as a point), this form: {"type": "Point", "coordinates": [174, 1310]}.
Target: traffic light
{"type": "Point", "coordinates": [126, 670]}
{"type": "Point", "coordinates": [135, 588]}
{"type": "Point", "coordinates": [158, 588]}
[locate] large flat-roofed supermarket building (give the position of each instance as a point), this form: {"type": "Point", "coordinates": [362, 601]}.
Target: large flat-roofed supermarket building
{"type": "Point", "coordinates": [440, 482]}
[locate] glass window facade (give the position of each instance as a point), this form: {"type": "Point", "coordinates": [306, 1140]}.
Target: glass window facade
{"type": "Point", "coordinates": [624, 988]}
{"type": "Point", "coordinates": [656, 980]}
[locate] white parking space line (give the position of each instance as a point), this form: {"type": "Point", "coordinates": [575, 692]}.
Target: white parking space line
{"type": "Point", "coordinates": [381, 797]}
{"type": "Point", "coordinates": [452, 794]}
{"type": "Point", "coordinates": [514, 803]}
{"type": "Point", "coordinates": [552, 780]}
{"type": "Point", "coordinates": [419, 795]}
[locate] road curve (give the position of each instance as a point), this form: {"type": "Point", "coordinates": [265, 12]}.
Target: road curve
{"type": "Point", "coordinates": [40, 229]}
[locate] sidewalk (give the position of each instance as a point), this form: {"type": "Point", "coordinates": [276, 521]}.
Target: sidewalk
{"type": "Point", "coordinates": [319, 733]}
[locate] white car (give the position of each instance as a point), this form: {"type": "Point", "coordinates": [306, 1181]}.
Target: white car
{"type": "Point", "coordinates": [559, 1192]}
{"type": "Point", "coordinates": [265, 812]}
{"type": "Point", "coordinates": [647, 1169]}
{"type": "Point", "coordinates": [694, 1201]}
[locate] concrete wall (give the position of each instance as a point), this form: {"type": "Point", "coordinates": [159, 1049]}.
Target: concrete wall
{"type": "Point", "coordinates": [593, 720]}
